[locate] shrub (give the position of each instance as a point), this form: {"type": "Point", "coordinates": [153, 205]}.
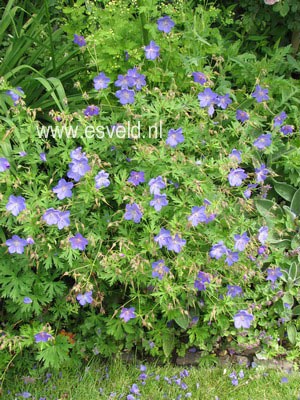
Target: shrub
{"type": "Point", "coordinates": [159, 243]}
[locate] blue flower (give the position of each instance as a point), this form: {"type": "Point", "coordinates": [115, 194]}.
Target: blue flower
{"type": "Point", "coordinates": [42, 337]}
{"type": "Point", "coordinates": [218, 250]}
{"type": "Point", "coordinates": [91, 111]}
{"type": "Point", "coordinates": [4, 164]}
{"type": "Point", "coordinates": [101, 81]}
{"type": "Point", "coordinates": [159, 201]}
{"type": "Point", "coordinates": [78, 242]}
{"type": "Point", "coordinates": [125, 96]}
{"type": "Point", "coordinates": [16, 245]}
{"type": "Point", "coordinates": [127, 314]}
{"type": "Point", "coordinates": [236, 177]}
{"type": "Point", "coordinates": [260, 94]}
{"type": "Point", "coordinates": [199, 77]}
{"type": "Point", "coordinates": [241, 115]}
{"type": "Point", "coordinates": [234, 291]}
{"type": "Point", "coordinates": [152, 51]}
{"type": "Point", "coordinates": [261, 173]}
{"type": "Point", "coordinates": [278, 120]}
{"type": "Point", "coordinates": [163, 237]}
{"type": "Point", "coordinates": [242, 319]}
{"type": "Point", "coordinates": [175, 243]}
{"type": "Point", "coordinates": [102, 180]}
{"type": "Point", "coordinates": [133, 212]}
{"type": "Point", "coordinates": [136, 177]}
{"type": "Point", "coordinates": [156, 184]}
{"type": "Point", "coordinates": [241, 241]}
{"type": "Point", "coordinates": [165, 24]}
{"type": "Point", "coordinates": [63, 189]}
{"type": "Point", "coordinates": [175, 137]}
{"type": "Point", "coordinates": [159, 269]}
{"type": "Point", "coordinates": [79, 40]}
{"type": "Point", "coordinates": [16, 204]}
{"type": "Point", "coordinates": [263, 141]}
{"type": "Point", "coordinates": [85, 298]}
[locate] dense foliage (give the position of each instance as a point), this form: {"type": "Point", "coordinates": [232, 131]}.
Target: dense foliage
{"type": "Point", "coordinates": [159, 209]}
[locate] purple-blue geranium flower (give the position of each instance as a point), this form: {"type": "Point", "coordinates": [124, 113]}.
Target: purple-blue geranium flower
{"type": "Point", "coordinates": [198, 215]}
{"type": "Point", "coordinates": [165, 24]}
{"type": "Point", "coordinates": [27, 300]}
{"type": "Point", "coordinates": [234, 379]}
{"type": "Point", "coordinates": [127, 314]}
{"type": "Point", "coordinates": [199, 77]}
{"type": "Point", "coordinates": [218, 250]}
{"type": "Point", "coordinates": [279, 119]}
{"type": "Point", "coordinates": [16, 204]}
{"type": "Point", "coordinates": [77, 154]}
{"type": "Point", "coordinates": [224, 101]}
{"type": "Point", "coordinates": [248, 191]}
{"type": "Point", "coordinates": [152, 51]}
{"type": "Point", "coordinates": [139, 81]}
{"type": "Point", "coordinates": [80, 40]}
{"type": "Point", "coordinates": [102, 180]}
{"type": "Point", "coordinates": [156, 184]}
{"type": "Point", "coordinates": [235, 155]}
{"type": "Point", "coordinates": [263, 141]}
{"type": "Point", "coordinates": [50, 216]}
{"type": "Point", "coordinates": [86, 298]}
{"type": "Point", "coordinates": [175, 243]}
{"type": "Point", "coordinates": [101, 81]}
{"type": "Point", "coordinates": [25, 395]}
{"type": "Point", "coordinates": [175, 137]}
{"type": "Point", "coordinates": [159, 269]}
{"type": "Point", "coordinates": [135, 389]}
{"type": "Point", "coordinates": [242, 319]}
{"type": "Point", "coordinates": [78, 168]}
{"type": "Point", "coordinates": [15, 94]}
{"type": "Point", "coordinates": [260, 94]}
{"type": "Point", "coordinates": [263, 234]}
{"type": "Point", "coordinates": [234, 291]}
{"type": "Point", "coordinates": [261, 173]}
{"type": "Point", "coordinates": [236, 177]}
{"type": "Point", "coordinates": [63, 219]}
{"type": "Point", "coordinates": [159, 201]}
{"type": "Point", "coordinates": [273, 274]}
{"type": "Point", "coordinates": [42, 337]}
{"type": "Point", "coordinates": [241, 115]}
{"type": "Point", "coordinates": [207, 98]}
{"type": "Point", "coordinates": [125, 96]}
{"type": "Point", "coordinates": [163, 237]}
{"type": "Point", "coordinates": [231, 257]}
{"type": "Point", "coordinates": [241, 241]}
{"type": "Point", "coordinates": [78, 242]}
{"type": "Point", "coordinates": [133, 213]}
{"type": "Point", "coordinates": [91, 111]}
{"type": "Point", "coordinates": [4, 164]}
{"type": "Point", "coordinates": [56, 217]}
{"type": "Point", "coordinates": [202, 278]}
{"type": "Point", "coordinates": [125, 81]}
{"type": "Point", "coordinates": [63, 189]}
{"type": "Point", "coordinates": [287, 129]}
{"type": "Point", "coordinates": [43, 157]}
{"type": "Point", "coordinates": [16, 245]}
{"type": "Point", "coordinates": [136, 177]}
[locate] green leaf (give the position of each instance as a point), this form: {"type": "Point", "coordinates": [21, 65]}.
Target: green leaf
{"type": "Point", "coordinates": [168, 344]}
{"type": "Point", "coordinates": [268, 208]}
{"type": "Point", "coordinates": [293, 271]}
{"type": "Point", "coordinates": [284, 190]}
{"type": "Point", "coordinates": [296, 310]}
{"type": "Point", "coordinates": [182, 321]}
{"type": "Point", "coordinates": [292, 333]}
{"type": "Point", "coordinates": [295, 205]}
